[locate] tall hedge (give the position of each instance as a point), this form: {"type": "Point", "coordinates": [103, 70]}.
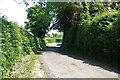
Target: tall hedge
{"type": "Point", "coordinates": [16, 42]}
{"type": "Point", "coordinates": [98, 38]}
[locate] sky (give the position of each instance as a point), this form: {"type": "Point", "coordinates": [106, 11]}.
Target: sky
{"type": "Point", "coordinates": [14, 11]}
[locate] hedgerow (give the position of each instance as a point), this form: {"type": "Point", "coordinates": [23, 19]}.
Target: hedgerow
{"type": "Point", "coordinates": [16, 42]}
{"type": "Point", "coordinates": [98, 38]}
{"type": "Point", "coordinates": [101, 37]}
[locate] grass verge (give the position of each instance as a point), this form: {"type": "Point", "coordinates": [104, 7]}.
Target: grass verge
{"type": "Point", "coordinates": [26, 67]}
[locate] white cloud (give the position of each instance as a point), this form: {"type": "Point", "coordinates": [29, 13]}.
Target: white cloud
{"type": "Point", "coordinates": [14, 11]}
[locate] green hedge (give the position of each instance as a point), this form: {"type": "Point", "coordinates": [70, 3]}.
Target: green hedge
{"type": "Point", "coordinates": [16, 42]}
{"type": "Point", "coordinates": [53, 40]}
{"type": "Point", "coordinates": [98, 38]}
{"type": "Point", "coordinates": [58, 40]}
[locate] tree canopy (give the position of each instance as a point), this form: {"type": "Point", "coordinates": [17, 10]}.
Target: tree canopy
{"type": "Point", "coordinates": [39, 20]}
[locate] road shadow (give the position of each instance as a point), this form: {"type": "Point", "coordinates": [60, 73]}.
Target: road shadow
{"type": "Point", "coordinates": [84, 59]}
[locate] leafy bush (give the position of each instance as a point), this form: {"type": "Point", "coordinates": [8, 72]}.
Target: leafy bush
{"type": "Point", "coordinates": [53, 40]}
{"type": "Point", "coordinates": [50, 40]}
{"type": "Point", "coordinates": [97, 38]}
{"type": "Point", "coordinates": [58, 40]}
{"type": "Point", "coordinates": [16, 42]}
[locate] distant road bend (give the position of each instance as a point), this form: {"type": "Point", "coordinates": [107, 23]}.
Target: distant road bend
{"type": "Point", "coordinates": [59, 65]}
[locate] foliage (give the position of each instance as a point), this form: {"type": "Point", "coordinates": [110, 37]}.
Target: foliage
{"type": "Point", "coordinates": [53, 38]}
{"type": "Point", "coordinates": [16, 42]}
{"type": "Point", "coordinates": [98, 38]}
{"type": "Point", "coordinates": [96, 33]}
{"type": "Point", "coordinates": [39, 20]}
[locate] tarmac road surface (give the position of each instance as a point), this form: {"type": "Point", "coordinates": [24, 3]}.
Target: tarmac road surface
{"type": "Point", "coordinates": [60, 65]}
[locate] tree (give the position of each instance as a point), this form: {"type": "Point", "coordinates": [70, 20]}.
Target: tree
{"type": "Point", "coordinates": [39, 20]}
